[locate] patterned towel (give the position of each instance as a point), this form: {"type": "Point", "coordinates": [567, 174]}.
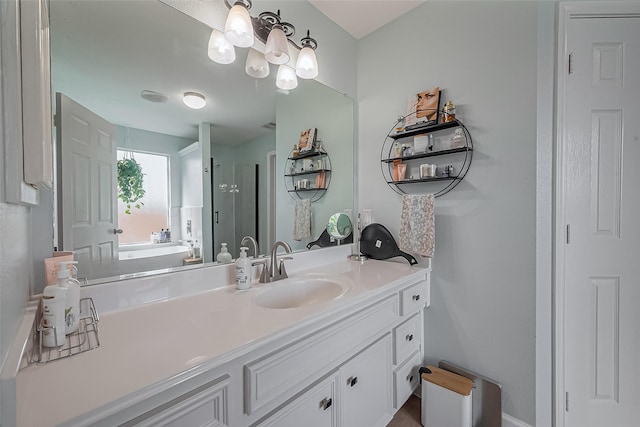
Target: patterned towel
{"type": "Point", "coordinates": [302, 220]}
{"type": "Point", "coordinates": [417, 224]}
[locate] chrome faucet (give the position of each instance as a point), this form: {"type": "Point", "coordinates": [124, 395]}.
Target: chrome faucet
{"type": "Point", "coordinates": [277, 272]}
{"type": "Point", "coordinates": [253, 243]}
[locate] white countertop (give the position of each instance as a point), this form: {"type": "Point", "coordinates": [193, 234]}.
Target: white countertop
{"type": "Point", "coordinates": [144, 345]}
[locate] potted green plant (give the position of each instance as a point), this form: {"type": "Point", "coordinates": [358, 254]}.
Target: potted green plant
{"type": "Point", "coordinates": [130, 179]}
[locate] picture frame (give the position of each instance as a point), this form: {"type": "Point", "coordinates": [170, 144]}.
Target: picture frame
{"type": "Point", "coordinates": [307, 140]}
{"type": "Point", "coordinates": [423, 108]}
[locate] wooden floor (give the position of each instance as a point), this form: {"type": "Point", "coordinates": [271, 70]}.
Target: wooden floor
{"type": "Point", "coordinates": [408, 415]}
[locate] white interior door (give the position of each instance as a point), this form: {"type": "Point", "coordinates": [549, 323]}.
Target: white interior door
{"type": "Point", "coordinates": [87, 171]}
{"type": "Point", "coordinates": [601, 188]}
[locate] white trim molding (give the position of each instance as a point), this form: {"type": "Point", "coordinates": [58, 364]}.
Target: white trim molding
{"type": "Point", "coordinates": [509, 421]}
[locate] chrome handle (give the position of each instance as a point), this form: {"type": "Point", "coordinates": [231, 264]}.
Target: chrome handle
{"type": "Point", "coordinates": [410, 337]}
{"type": "Point", "coordinates": [117, 231]}
{"type": "Point", "coordinates": [217, 214]}
{"type": "Point", "coordinates": [415, 297]}
{"type": "Point", "coordinates": [326, 403]}
{"type": "Point", "coordinates": [352, 381]}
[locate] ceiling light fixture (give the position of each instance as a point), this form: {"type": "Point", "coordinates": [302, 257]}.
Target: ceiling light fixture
{"type": "Point", "coordinates": [241, 29]}
{"type": "Point", "coordinates": [194, 100]}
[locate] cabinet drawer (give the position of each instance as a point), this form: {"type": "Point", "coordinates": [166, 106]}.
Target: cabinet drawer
{"type": "Point", "coordinates": [413, 298]}
{"type": "Point", "coordinates": [291, 368]}
{"type": "Point", "coordinates": [406, 339]}
{"type": "Point", "coordinates": [205, 406]}
{"type": "Point", "coordinates": [406, 379]}
{"type": "Point", "coordinates": [315, 408]}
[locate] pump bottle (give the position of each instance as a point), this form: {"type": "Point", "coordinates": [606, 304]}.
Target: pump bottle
{"type": "Point", "coordinates": [72, 297]}
{"type": "Point", "coordinates": [224, 257]}
{"type": "Point", "coordinates": [243, 270]}
{"type": "Point", "coordinates": [53, 305]}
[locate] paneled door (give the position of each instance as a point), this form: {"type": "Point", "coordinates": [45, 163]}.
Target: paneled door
{"type": "Point", "coordinates": [86, 190]}
{"type": "Point", "coordinates": [600, 225]}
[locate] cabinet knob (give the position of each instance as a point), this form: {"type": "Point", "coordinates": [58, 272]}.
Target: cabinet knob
{"type": "Point", "coordinates": [117, 231]}
{"type": "Point", "coordinates": [410, 337]}
{"type": "Point", "coordinates": [416, 297]}
{"type": "Point", "coordinates": [352, 381]}
{"type": "Point", "coordinates": [326, 403]}
{"type": "Point", "coordinates": [410, 378]}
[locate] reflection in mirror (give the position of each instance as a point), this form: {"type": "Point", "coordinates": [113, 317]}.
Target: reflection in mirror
{"type": "Point", "coordinates": [224, 177]}
{"type": "Point", "coordinates": [339, 226]}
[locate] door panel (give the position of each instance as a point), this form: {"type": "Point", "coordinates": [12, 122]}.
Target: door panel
{"type": "Point", "coordinates": [602, 204]}
{"type": "Point", "coordinates": [87, 188]}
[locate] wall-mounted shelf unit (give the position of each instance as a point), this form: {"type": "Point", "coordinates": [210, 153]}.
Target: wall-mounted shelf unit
{"type": "Point", "coordinates": [307, 175]}
{"type": "Point", "coordinates": [440, 145]}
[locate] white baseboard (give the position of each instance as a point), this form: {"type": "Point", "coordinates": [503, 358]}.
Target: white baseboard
{"type": "Point", "coordinates": [509, 421]}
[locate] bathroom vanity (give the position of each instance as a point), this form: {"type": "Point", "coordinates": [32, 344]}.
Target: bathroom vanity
{"type": "Point", "coordinates": [345, 352]}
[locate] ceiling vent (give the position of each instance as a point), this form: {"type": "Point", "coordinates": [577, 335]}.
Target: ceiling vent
{"type": "Point", "coordinates": [152, 96]}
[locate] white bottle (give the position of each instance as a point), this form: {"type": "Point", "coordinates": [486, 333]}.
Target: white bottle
{"type": "Point", "coordinates": [224, 257]}
{"type": "Point", "coordinates": [53, 304]}
{"type": "Point", "coordinates": [72, 297]}
{"type": "Point", "coordinates": [243, 270]}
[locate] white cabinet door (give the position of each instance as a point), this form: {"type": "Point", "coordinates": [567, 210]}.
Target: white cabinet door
{"type": "Point", "coordinates": [366, 387]}
{"type": "Point", "coordinates": [315, 408]}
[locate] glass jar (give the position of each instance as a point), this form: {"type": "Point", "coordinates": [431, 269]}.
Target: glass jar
{"type": "Point", "coordinates": [458, 140]}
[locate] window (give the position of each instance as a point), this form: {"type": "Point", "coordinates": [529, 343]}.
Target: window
{"type": "Point", "coordinates": [153, 214]}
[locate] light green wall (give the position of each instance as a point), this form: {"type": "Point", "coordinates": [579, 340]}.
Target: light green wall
{"type": "Point", "coordinates": [483, 56]}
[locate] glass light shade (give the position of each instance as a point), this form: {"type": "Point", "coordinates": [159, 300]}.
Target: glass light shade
{"type": "Point", "coordinates": [307, 64]}
{"type": "Point", "coordinates": [286, 78]}
{"type": "Point", "coordinates": [220, 49]}
{"type": "Point", "coordinates": [257, 65]}
{"type": "Point", "coordinates": [194, 100]}
{"type": "Point", "coordinates": [277, 50]}
{"type": "Point", "coordinates": [238, 28]}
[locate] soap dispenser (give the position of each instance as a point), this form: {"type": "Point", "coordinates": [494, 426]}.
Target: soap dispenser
{"type": "Point", "coordinates": [224, 257]}
{"type": "Point", "coordinates": [243, 270]}
{"type": "Point", "coordinates": [72, 297]}
{"type": "Point", "coordinates": [53, 305]}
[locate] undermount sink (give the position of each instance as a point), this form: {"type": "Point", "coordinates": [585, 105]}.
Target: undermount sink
{"type": "Point", "coordinates": [300, 291]}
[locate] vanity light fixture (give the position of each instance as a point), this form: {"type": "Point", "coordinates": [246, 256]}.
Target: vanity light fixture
{"type": "Point", "coordinates": [220, 49]}
{"type": "Point", "coordinates": [277, 50]}
{"type": "Point", "coordinates": [286, 78]}
{"type": "Point", "coordinates": [194, 100]}
{"type": "Point", "coordinates": [238, 28]}
{"type": "Point", "coordinates": [257, 65]}
{"type": "Point", "coordinates": [241, 29]}
{"type": "Point", "coordinates": [307, 64]}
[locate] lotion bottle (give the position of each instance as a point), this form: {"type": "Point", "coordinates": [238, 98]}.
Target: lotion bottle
{"type": "Point", "coordinates": [224, 257]}
{"type": "Point", "coordinates": [243, 270]}
{"type": "Point", "coordinates": [72, 297]}
{"type": "Point", "coordinates": [53, 305]}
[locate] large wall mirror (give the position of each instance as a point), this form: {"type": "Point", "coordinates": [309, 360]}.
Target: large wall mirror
{"type": "Point", "coordinates": [211, 175]}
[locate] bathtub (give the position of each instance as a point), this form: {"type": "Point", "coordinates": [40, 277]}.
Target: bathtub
{"type": "Point", "coordinates": [135, 258]}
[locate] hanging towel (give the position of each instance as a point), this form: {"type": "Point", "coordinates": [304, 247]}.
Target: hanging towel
{"type": "Point", "coordinates": [302, 220]}
{"type": "Point", "coordinates": [417, 224]}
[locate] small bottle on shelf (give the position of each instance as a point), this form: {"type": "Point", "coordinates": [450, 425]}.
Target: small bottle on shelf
{"type": "Point", "coordinates": [449, 112]}
{"type": "Point", "coordinates": [295, 150]}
